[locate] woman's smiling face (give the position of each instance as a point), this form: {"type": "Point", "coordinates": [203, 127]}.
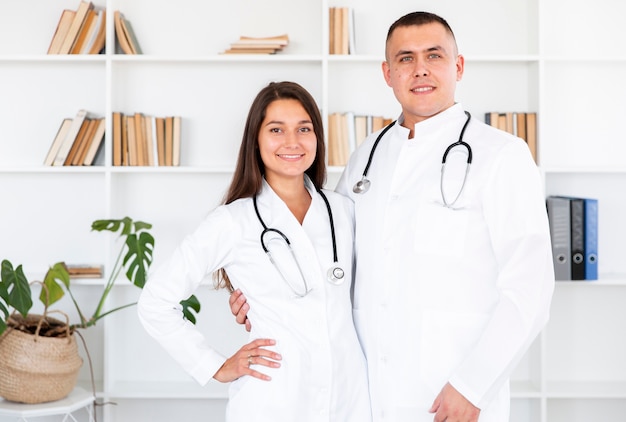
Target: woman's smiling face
{"type": "Point", "coordinates": [287, 140]}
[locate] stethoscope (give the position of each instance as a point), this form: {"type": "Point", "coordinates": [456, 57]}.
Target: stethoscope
{"type": "Point", "coordinates": [363, 185]}
{"type": "Point", "coordinates": [334, 275]}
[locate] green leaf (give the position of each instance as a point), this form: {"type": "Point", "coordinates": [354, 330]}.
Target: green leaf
{"type": "Point", "coordinates": [139, 257]}
{"type": "Point", "coordinates": [17, 288]}
{"type": "Point", "coordinates": [55, 278]}
{"type": "Point", "coordinates": [114, 225]}
{"type": "Point", "coordinates": [141, 225]}
{"type": "Point", "coordinates": [4, 310]}
{"type": "Point", "coordinates": [189, 305]}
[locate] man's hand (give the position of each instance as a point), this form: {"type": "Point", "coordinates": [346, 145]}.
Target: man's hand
{"type": "Point", "coordinates": [452, 406]}
{"type": "Point", "coordinates": [239, 307]}
{"type": "Point", "coordinates": [242, 362]}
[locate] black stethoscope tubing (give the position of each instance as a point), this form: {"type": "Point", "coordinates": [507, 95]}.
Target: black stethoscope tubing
{"type": "Point", "coordinates": [460, 142]}
{"type": "Point", "coordinates": [362, 185]}
{"type": "Point", "coordinates": [335, 273]}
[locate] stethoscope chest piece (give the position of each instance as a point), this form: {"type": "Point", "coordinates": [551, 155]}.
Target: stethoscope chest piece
{"type": "Point", "coordinates": [361, 186]}
{"type": "Point", "coordinates": [335, 275]}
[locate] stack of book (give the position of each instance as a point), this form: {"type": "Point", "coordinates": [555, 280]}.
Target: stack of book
{"type": "Point", "coordinates": [140, 140]}
{"type": "Point", "coordinates": [523, 125]}
{"type": "Point", "coordinates": [346, 131]}
{"type": "Point", "coordinates": [258, 45]}
{"type": "Point", "coordinates": [80, 31]}
{"type": "Point", "coordinates": [126, 39]}
{"type": "Point", "coordinates": [78, 141]}
{"type": "Point", "coordinates": [85, 271]}
{"type": "Point", "coordinates": [341, 31]}
{"type": "Point", "coordinates": [574, 234]}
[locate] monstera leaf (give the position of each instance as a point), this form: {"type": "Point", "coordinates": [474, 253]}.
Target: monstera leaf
{"type": "Point", "coordinates": [56, 278]}
{"type": "Point", "coordinates": [14, 289]}
{"type": "Point", "coordinates": [139, 257]}
{"type": "Point", "coordinates": [134, 258]}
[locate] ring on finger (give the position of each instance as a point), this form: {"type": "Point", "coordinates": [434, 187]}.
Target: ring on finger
{"type": "Point", "coordinates": [249, 360]}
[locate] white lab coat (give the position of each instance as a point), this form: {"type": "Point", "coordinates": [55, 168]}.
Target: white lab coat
{"type": "Point", "coordinates": [323, 375]}
{"type": "Point", "coordinates": [447, 295]}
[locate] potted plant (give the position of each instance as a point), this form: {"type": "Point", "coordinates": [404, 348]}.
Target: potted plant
{"type": "Point", "coordinates": [39, 360]}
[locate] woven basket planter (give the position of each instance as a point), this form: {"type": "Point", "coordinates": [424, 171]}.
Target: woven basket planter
{"type": "Point", "coordinates": [37, 369]}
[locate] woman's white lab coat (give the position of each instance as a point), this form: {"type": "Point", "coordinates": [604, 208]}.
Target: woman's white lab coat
{"type": "Point", "coordinates": [323, 375]}
{"type": "Point", "coordinates": [446, 295]}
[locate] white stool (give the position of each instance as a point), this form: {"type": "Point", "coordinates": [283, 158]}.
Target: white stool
{"type": "Point", "coordinates": [76, 400]}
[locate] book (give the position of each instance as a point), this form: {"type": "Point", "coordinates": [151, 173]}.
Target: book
{"type": "Point", "coordinates": [77, 23]}
{"type": "Point", "coordinates": [78, 140]}
{"type": "Point", "coordinates": [577, 226]}
{"type": "Point", "coordinates": [117, 138]}
{"type": "Point", "coordinates": [85, 271]}
{"type": "Point", "coordinates": [520, 125]}
{"type": "Point", "coordinates": [67, 16]}
{"type": "Point", "coordinates": [131, 136]}
{"type": "Point", "coordinates": [331, 30]}
{"type": "Point", "coordinates": [282, 39]}
{"type": "Point", "coordinates": [591, 239]}
{"type": "Point", "coordinates": [85, 142]}
{"type": "Point", "coordinates": [150, 140]}
{"type": "Point", "coordinates": [159, 123]}
{"type": "Point", "coordinates": [86, 31]}
{"type": "Point", "coordinates": [360, 129]}
{"type": "Point", "coordinates": [338, 148]}
{"type": "Point", "coordinates": [124, 133]}
{"type": "Point", "coordinates": [560, 233]}
{"type": "Point", "coordinates": [70, 137]}
{"type": "Point", "coordinates": [140, 139]}
{"type": "Point", "coordinates": [523, 125]}
{"type": "Point", "coordinates": [121, 35]}
{"type": "Point", "coordinates": [169, 142]}
{"type": "Point", "coordinates": [57, 142]}
{"type": "Point", "coordinates": [98, 40]}
{"type": "Point", "coordinates": [96, 142]}
{"type": "Point", "coordinates": [351, 34]}
{"type": "Point", "coordinates": [249, 51]}
{"type": "Point", "coordinates": [258, 45]}
{"type": "Point", "coordinates": [131, 37]}
{"type": "Point", "coordinates": [341, 30]}
{"type": "Point", "coordinates": [176, 138]}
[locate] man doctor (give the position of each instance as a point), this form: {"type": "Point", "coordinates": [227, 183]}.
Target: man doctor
{"type": "Point", "coordinates": [447, 298]}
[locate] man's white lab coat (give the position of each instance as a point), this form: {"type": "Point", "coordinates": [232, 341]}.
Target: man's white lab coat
{"type": "Point", "coordinates": [446, 295]}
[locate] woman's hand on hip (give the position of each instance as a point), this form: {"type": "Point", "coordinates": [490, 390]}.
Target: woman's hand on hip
{"type": "Point", "coordinates": [247, 360]}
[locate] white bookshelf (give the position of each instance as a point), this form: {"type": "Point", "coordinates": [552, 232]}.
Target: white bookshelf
{"type": "Point", "coordinates": [561, 59]}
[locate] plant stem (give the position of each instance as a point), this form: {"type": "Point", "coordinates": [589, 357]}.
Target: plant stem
{"type": "Point", "coordinates": [117, 268]}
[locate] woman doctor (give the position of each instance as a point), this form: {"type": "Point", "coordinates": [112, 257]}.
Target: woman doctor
{"type": "Point", "coordinates": [303, 361]}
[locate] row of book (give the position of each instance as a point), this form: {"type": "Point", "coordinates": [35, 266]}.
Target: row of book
{"type": "Point", "coordinates": [258, 45]}
{"type": "Point", "coordinates": [83, 31]}
{"type": "Point", "coordinates": [341, 31]}
{"type": "Point", "coordinates": [77, 142]}
{"type": "Point", "coordinates": [574, 233]}
{"type": "Point", "coordinates": [141, 140]}
{"type": "Point", "coordinates": [346, 131]}
{"type": "Point", "coordinates": [523, 125]}
{"type": "Point", "coordinates": [85, 270]}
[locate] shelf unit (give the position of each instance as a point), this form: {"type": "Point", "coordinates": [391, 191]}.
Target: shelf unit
{"type": "Point", "coordinates": [520, 56]}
